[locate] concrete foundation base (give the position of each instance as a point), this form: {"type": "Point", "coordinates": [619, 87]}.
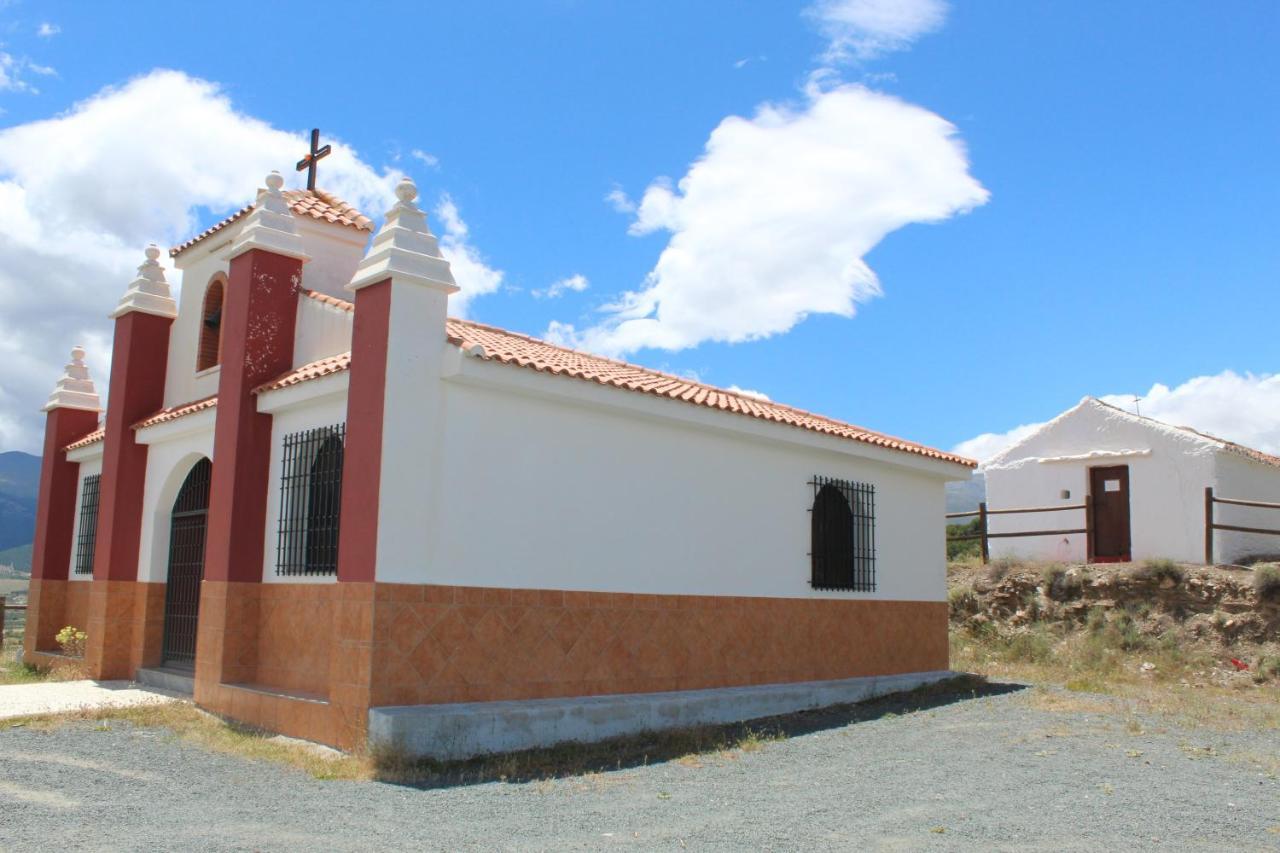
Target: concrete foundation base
{"type": "Point", "coordinates": [463, 730]}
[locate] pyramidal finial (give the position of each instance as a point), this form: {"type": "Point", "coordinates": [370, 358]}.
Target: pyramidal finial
{"type": "Point", "coordinates": [404, 248]}
{"type": "Point", "coordinates": [149, 292]}
{"type": "Point", "coordinates": [270, 226]}
{"type": "Point", "coordinates": [75, 389]}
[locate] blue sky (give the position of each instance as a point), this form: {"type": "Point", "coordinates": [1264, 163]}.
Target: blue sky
{"type": "Point", "coordinates": [1114, 227]}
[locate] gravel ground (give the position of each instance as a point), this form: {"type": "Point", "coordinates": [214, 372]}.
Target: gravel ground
{"type": "Point", "coordinates": [1014, 769]}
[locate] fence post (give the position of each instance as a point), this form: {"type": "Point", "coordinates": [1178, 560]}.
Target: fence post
{"type": "Point", "coordinates": [1, 622]}
{"type": "Point", "coordinates": [1208, 525]}
{"type": "Point", "coordinates": [982, 518]}
{"type": "Point", "coordinates": [1088, 528]}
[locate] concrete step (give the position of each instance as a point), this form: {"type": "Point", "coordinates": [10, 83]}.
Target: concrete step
{"type": "Point", "coordinates": [174, 680]}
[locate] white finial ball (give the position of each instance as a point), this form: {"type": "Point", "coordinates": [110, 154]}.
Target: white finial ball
{"type": "Point", "coordinates": [275, 181]}
{"type": "Point", "coordinates": [406, 190]}
{"type": "Point", "coordinates": [77, 353]}
{"type": "Point", "coordinates": [153, 252]}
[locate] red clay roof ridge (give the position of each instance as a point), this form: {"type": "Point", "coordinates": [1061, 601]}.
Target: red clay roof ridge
{"type": "Point", "coordinates": [698, 384]}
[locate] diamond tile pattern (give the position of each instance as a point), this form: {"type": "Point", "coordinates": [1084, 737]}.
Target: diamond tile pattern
{"type": "Point", "coordinates": [434, 644]}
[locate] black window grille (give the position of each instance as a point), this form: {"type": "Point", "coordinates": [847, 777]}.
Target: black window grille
{"type": "Point", "coordinates": [843, 546]}
{"type": "Point", "coordinates": [310, 501]}
{"type": "Point", "coordinates": [87, 538]}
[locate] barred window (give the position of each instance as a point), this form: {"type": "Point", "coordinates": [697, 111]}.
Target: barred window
{"type": "Point", "coordinates": [88, 535]}
{"type": "Point", "coordinates": [310, 501]}
{"type": "Point", "coordinates": [843, 530]}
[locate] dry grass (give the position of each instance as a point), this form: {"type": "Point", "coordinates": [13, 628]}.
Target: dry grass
{"type": "Point", "coordinates": [190, 724]}
{"type": "Point", "coordinates": [13, 671]}
{"type": "Point", "coordinates": [691, 747]}
{"type": "Point", "coordinates": [1158, 675]}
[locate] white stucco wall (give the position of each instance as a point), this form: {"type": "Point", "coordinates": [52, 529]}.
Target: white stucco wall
{"type": "Point", "coordinates": [1168, 471]}
{"type": "Point", "coordinates": [539, 491]}
{"type": "Point", "coordinates": [88, 468]}
{"type": "Point", "coordinates": [1243, 478]}
{"type": "Point", "coordinates": [322, 330]}
{"type": "Point", "coordinates": [334, 251]}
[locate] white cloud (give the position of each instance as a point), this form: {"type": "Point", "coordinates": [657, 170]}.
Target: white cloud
{"type": "Point", "coordinates": [429, 159]}
{"type": "Point", "coordinates": [74, 218]}
{"type": "Point", "coordinates": [1244, 409]}
{"type": "Point", "coordinates": [48, 30]}
{"type": "Point", "coordinates": [576, 283]}
{"type": "Point", "coordinates": [620, 201]}
{"type": "Point", "coordinates": [983, 447]}
{"type": "Point", "coordinates": [864, 29]}
{"type": "Point", "coordinates": [473, 275]}
{"type": "Point", "coordinates": [747, 392]}
{"type": "Point", "coordinates": [772, 222]}
{"type": "Point", "coordinates": [13, 70]}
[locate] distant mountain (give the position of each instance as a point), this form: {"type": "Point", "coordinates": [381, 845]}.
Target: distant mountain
{"type": "Point", "coordinates": [19, 557]}
{"type": "Point", "coordinates": [19, 480]}
{"type": "Point", "coordinates": [965, 495]}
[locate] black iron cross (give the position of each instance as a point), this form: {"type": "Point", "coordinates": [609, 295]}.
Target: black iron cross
{"type": "Point", "coordinates": [309, 162]}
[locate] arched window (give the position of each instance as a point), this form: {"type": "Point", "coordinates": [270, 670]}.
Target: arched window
{"type": "Point", "coordinates": [324, 500]}
{"type": "Point", "coordinates": [310, 501]}
{"type": "Point", "coordinates": [842, 523]}
{"type": "Point", "coordinates": [210, 352]}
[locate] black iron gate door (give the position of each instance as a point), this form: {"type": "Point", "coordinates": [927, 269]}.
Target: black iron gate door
{"type": "Point", "coordinates": [186, 567]}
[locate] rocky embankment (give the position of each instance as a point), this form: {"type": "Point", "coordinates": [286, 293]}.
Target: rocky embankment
{"type": "Point", "coordinates": [1224, 605]}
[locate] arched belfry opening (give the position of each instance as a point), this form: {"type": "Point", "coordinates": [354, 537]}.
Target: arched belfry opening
{"type": "Point", "coordinates": [209, 353]}
{"type": "Point", "coordinates": [187, 525]}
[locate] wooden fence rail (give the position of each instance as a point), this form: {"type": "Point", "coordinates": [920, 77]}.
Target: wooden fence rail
{"type": "Point", "coordinates": [984, 528]}
{"type": "Point", "coordinates": [1210, 525]}
{"type": "Point", "coordinates": [3, 607]}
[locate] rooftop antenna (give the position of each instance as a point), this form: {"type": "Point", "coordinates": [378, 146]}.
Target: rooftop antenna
{"type": "Point", "coordinates": [1137, 406]}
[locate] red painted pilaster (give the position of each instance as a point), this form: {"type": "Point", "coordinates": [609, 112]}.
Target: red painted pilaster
{"type": "Point", "coordinates": [258, 318]}
{"type": "Point", "coordinates": [362, 460]}
{"type": "Point", "coordinates": [139, 354]}
{"type": "Point", "coordinates": [56, 498]}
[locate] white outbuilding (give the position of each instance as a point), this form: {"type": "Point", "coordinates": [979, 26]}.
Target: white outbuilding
{"type": "Point", "coordinates": [1146, 483]}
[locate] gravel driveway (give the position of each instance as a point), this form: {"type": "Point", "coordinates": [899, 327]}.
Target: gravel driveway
{"type": "Point", "coordinates": [1018, 769]}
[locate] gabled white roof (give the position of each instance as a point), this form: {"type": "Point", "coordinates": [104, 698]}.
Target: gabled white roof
{"type": "Point", "coordinates": [1181, 432]}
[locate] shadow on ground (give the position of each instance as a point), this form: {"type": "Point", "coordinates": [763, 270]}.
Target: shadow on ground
{"type": "Point", "coordinates": [575, 759]}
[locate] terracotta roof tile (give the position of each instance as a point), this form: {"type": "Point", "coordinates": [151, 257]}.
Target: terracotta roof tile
{"type": "Point", "coordinates": [522, 351]}
{"type": "Point", "coordinates": [329, 300]}
{"type": "Point", "coordinates": [319, 204]}
{"type": "Point", "coordinates": [92, 438]}
{"type": "Point", "coordinates": [174, 412]}
{"type": "Point", "coordinates": [314, 370]}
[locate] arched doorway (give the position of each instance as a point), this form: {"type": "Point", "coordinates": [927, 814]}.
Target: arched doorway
{"type": "Point", "coordinates": [186, 567]}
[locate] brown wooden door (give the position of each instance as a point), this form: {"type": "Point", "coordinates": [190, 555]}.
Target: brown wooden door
{"type": "Point", "coordinates": [1109, 488]}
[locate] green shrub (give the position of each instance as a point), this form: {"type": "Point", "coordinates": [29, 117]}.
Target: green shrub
{"type": "Point", "coordinates": [968, 547]}
{"type": "Point", "coordinates": [963, 601]}
{"type": "Point", "coordinates": [1031, 646]}
{"type": "Point", "coordinates": [1267, 668]}
{"type": "Point", "coordinates": [1266, 581]}
{"type": "Point", "coordinates": [1158, 570]}
{"type": "Point", "coordinates": [1001, 566]}
{"type": "Point", "coordinates": [1060, 584]}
